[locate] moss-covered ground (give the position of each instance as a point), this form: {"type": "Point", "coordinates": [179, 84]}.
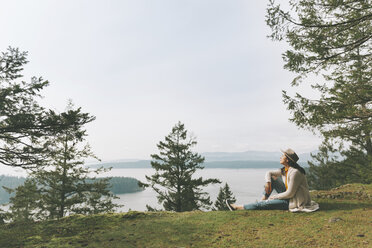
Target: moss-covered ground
{"type": "Point", "coordinates": [344, 220]}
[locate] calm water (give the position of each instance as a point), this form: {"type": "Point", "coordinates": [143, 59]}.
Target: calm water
{"type": "Point", "coordinates": [246, 185]}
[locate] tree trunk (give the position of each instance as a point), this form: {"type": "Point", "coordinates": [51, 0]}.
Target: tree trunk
{"type": "Point", "coordinates": [63, 191]}
{"type": "Point", "coordinates": [369, 147]}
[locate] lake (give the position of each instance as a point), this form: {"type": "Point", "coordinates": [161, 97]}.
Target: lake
{"type": "Point", "coordinates": [246, 184]}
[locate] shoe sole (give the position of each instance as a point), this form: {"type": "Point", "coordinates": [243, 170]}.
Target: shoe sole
{"type": "Point", "coordinates": [228, 205]}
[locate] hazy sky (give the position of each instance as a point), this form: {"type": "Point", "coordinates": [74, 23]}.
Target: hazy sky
{"type": "Point", "coordinates": [142, 66]}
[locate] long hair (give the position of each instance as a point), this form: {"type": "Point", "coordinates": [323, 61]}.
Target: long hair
{"type": "Point", "coordinates": [294, 165]}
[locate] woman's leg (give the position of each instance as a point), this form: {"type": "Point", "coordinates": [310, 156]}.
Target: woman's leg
{"type": "Point", "coordinates": [264, 205]}
{"type": "Point", "coordinates": [268, 205]}
{"type": "Point", "coordinates": [277, 184]}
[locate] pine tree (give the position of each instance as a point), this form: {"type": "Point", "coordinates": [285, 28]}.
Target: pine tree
{"type": "Point", "coordinates": [330, 168]}
{"type": "Point", "coordinates": [223, 195]}
{"type": "Point", "coordinates": [331, 39]}
{"type": "Point", "coordinates": [67, 186]}
{"type": "Point", "coordinates": [64, 185]}
{"type": "Point", "coordinates": [23, 122]}
{"type": "Point", "coordinates": [175, 166]}
{"type": "Point", "coordinates": [25, 204]}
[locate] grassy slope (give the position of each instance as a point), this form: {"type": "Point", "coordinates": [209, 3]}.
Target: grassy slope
{"type": "Point", "coordinates": [351, 204]}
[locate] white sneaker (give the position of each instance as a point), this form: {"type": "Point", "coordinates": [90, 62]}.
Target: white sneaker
{"type": "Point", "coordinates": [229, 206]}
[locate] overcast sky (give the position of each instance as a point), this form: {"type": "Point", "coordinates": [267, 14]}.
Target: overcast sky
{"type": "Point", "coordinates": [142, 66]}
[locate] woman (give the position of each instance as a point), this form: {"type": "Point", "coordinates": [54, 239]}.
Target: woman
{"type": "Point", "coordinates": [290, 183]}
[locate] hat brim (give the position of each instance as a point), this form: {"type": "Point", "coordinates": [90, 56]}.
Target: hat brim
{"type": "Point", "coordinates": [288, 156]}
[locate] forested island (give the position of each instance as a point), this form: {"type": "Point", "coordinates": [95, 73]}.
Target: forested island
{"type": "Point", "coordinates": [117, 185]}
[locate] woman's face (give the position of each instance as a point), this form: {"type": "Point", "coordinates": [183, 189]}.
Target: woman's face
{"type": "Point", "coordinates": [284, 160]}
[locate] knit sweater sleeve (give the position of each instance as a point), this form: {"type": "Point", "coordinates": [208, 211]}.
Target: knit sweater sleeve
{"type": "Point", "coordinates": [269, 174]}
{"type": "Point", "coordinates": [294, 180]}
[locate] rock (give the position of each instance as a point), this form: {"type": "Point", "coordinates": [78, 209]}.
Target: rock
{"type": "Point", "coordinates": [334, 219]}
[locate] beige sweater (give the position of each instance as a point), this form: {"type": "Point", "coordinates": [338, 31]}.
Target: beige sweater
{"type": "Point", "coordinates": [297, 192]}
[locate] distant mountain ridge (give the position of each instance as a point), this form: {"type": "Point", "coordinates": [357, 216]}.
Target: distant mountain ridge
{"type": "Point", "coordinates": [249, 159]}
{"type": "Point", "coordinates": [237, 164]}
{"type": "Point", "coordinates": [250, 155]}
{"type": "Point", "coordinates": [230, 156]}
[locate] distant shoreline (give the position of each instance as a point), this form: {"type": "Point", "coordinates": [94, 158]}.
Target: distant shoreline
{"type": "Point", "coordinates": [241, 164]}
{"type": "Point", "coordinates": [117, 185]}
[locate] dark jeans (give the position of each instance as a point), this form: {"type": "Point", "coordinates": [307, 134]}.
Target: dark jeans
{"type": "Point", "coordinates": [276, 204]}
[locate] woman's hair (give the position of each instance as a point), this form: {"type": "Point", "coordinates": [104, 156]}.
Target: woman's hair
{"type": "Point", "coordinates": [294, 165]}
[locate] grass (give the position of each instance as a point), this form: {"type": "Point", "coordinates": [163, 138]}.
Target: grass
{"type": "Point", "coordinates": [345, 220]}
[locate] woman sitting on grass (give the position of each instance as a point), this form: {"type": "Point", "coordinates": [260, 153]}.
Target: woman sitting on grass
{"type": "Point", "coordinates": [292, 189]}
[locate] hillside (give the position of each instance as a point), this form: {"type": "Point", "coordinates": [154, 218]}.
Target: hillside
{"type": "Point", "coordinates": [343, 221]}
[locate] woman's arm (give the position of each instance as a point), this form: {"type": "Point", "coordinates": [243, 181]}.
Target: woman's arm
{"type": "Point", "coordinates": [293, 183]}
{"type": "Point", "coordinates": [269, 174]}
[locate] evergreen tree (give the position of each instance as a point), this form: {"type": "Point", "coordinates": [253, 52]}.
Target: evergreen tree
{"type": "Point", "coordinates": [224, 194]}
{"type": "Point", "coordinates": [64, 184]}
{"type": "Point", "coordinates": [175, 166]}
{"type": "Point", "coordinates": [332, 39]}
{"type": "Point", "coordinates": [331, 168]}
{"type": "Point", "coordinates": [67, 186]}
{"type": "Point", "coordinates": [22, 120]}
{"type": "Point", "coordinates": [323, 35]}
{"type": "Point", "coordinates": [25, 203]}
